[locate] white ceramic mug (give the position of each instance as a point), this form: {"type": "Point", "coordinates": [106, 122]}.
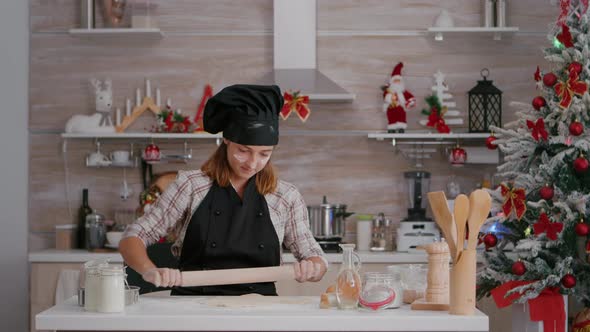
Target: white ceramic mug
{"type": "Point", "coordinates": [120, 156]}
{"type": "Point", "coordinates": [98, 159]}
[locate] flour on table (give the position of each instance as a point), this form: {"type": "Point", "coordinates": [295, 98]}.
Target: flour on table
{"type": "Point", "coordinates": [254, 300]}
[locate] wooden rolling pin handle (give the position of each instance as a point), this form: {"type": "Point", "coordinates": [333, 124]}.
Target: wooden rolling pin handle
{"type": "Point", "coordinates": [237, 276]}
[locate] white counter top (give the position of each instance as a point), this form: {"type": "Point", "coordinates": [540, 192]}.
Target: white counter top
{"type": "Point", "coordinates": [194, 314]}
{"type": "Point", "coordinates": [80, 256]}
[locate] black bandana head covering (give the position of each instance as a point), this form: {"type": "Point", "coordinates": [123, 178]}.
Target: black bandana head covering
{"type": "Point", "coordinates": [247, 114]}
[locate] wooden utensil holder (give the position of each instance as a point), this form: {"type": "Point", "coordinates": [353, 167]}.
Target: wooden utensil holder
{"type": "Point", "coordinates": [463, 284]}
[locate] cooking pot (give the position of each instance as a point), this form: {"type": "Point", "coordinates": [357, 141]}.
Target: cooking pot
{"type": "Point", "coordinates": [327, 221]}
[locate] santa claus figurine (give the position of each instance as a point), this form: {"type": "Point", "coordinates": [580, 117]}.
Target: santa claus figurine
{"type": "Point", "coordinates": [396, 100]}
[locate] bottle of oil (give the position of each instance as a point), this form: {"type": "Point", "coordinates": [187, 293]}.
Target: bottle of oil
{"type": "Point", "coordinates": [348, 284]}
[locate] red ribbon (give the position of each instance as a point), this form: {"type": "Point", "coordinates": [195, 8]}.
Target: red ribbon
{"type": "Point", "coordinates": [583, 326]}
{"type": "Point", "coordinates": [538, 74]}
{"type": "Point", "coordinates": [297, 103]}
{"type": "Point", "coordinates": [538, 129]}
{"type": "Point", "coordinates": [513, 198]}
{"type": "Point", "coordinates": [548, 307]}
{"type": "Point", "coordinates": [544, 225]}
{"type": "Point", "coordinates": [565, 37]}
{"type": "Point", "coordinates": [566, 90]}
{"type": "Point", "coordinates": [565, 6]}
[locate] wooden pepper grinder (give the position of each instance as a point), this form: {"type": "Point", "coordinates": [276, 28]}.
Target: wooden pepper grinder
{"type": "Point", "coordinates": [437, 289]}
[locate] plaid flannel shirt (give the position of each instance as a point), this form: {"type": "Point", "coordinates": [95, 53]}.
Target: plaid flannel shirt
{"type": "Point", "coordinates": [172, 212]}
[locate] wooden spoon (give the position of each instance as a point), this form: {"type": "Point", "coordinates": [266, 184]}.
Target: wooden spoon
{"type": "Point", "coordinates": [480, 203]}
{"type": "Point", "coordinates": [444, 219]}
{"type": "Point", "coordinates": [461, 213]}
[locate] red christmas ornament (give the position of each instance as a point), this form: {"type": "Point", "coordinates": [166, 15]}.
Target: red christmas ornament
{"type": "Point", "coordinates": [549, 79]}
{"type": "Point", "coordinates": [489, 141]}
{"type": "Point", "coordinates": [582, 228]}
{"type": "Point", "coordinates": [458, 156]}
{"type": "Point", "coordinates": [568, 281]}
{"type": "Point", "coordinates": [518, 268]}
{"type": "Point", "coordinates": [575, 66]}
{"type": "Point", "coordinates": [581, 164]}
{"type": "Point", "coordinates": [546, 192]}
{"type": "Point", "coordinates": [576, 128]}
{"type": "Point", "coordinates": [539, 102]}
{"type": "Point", "coordinates": [490, 240]}
{"type": "Point", "coordinates": [152, 153]}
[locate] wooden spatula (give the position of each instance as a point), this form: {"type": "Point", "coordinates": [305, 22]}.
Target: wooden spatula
{"type": "Point", "coordinates": [461, 212]}
{"type": "Point", "coordinates": [480, 203]}
{"type": "Point", "coordinates": [444, 219]}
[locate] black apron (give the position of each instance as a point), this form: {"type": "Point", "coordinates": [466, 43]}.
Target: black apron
{"type": "Point", "coordinates": [227, 232]}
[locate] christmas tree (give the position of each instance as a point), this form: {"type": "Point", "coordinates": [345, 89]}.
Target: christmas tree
{"type": "Point", "coordinates": [545, 191]}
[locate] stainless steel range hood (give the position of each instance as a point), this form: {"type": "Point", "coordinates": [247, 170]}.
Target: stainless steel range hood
{"type": "Point", "coordinates": [295, 65]}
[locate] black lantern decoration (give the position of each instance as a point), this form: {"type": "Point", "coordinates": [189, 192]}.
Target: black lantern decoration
{"type": "Point", "coordinates": [485, 105]}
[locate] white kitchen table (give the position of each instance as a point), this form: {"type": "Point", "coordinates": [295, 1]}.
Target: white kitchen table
{"type": "Point", "coordinates": [186, 313]}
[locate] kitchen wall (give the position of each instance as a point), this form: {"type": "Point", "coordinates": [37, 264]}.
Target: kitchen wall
{"type": "Point", "coordinates": [14, 35]}
{"type": "Point", "coordinates": [199, 48]}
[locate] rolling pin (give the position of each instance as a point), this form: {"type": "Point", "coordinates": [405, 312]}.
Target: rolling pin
{"type": "Point", "coordinates": [237, 276]}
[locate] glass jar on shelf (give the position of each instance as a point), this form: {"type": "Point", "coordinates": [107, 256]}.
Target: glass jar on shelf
{"type": "Point", "coordinates": [95, 231]}
{"type": "Point", "coordinates": [382, 234]}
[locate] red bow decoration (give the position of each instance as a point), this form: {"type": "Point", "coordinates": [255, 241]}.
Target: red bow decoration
{"type": "Point", "coordinates": [298, 103]}
{"type": "Point", "coordinates": [513, 198]}
{"type": "Point", "coordinates": [538, 74]}
{"type": "Point", "coordinates": [544, 225]}
{"type": "Point", "coordinates": [565, 37]}
{"type": "Point", "coordinates": [566, 90]}
{"type": "Point", "coordinates": [207, 93]}
{"type": "Point", "coordinates": [538, 129]}
{"type": "Point", "coordinates": [547, 307]}
{"type": "Point", "coordinates": [436, 121]}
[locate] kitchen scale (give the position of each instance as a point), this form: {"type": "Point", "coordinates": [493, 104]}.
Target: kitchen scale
{"type": "Point", "coordinates": [416, 229]}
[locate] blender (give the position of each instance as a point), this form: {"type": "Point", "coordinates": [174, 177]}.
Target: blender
{"type": "Point", "coordinates": [416, 229]}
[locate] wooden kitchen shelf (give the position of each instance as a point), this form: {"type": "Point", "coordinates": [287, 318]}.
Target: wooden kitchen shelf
{"type": "Point", "coordinates": [141, 135]}
{"type": "Point", "coordinates": [428, 137]}
{"type": "Point", "coordinates": [495, 32]}
{"type": "Point", "coordinates": [147, 33]}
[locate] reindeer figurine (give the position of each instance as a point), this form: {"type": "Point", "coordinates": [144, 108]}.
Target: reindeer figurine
{"type": "Point", "coordinates": [101, 121]}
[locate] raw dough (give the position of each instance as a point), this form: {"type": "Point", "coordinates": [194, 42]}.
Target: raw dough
{"type": "Point", "coordinates": [255, 300]}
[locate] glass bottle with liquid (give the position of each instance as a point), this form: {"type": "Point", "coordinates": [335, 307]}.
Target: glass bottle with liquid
{"type": "Point", "coordinates": [348, 284]}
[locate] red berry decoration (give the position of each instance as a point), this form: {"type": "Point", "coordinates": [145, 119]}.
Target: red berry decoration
{"type": "Point", "coordinates": [582, 229]}
{"type": "Point", "coordinates": [576, 128]}
{"type": "Point", "coordinates": [490, 240]}
{"type": "Point", "coordinates": [518, 268]}
{"type": "Point", "coordinates": [489, 141]}
{"type": "Point", "coordinates": [547, 192]}
{"type": "Point", "coordinates": [575, 66]}
{"type": "Point", "coordinates": [549, 79]}
{"type": "Point", "coordinates": [539, 102]}
{"type": "Point", "coordinates": [581, 164]}
{"type": "Point", "coordinates": [568, 281]}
